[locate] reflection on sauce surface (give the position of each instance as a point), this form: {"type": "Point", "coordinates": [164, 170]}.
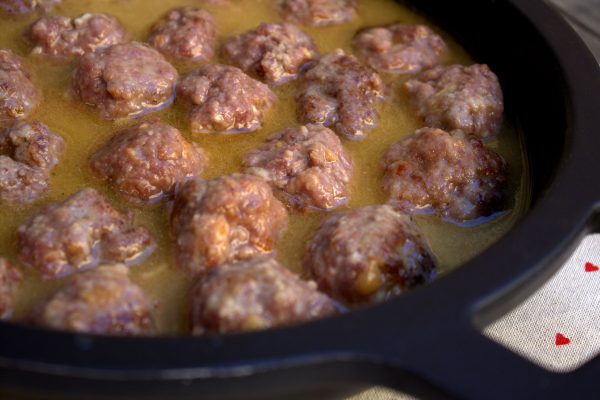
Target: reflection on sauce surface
{"type": "Point", "coordinates": [84, 131]}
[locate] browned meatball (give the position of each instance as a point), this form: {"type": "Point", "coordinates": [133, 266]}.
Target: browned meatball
{"type": "Point", "coordinates": [254, 295]}
{"type": "Point", "coordinates": [79, 233]}
{"type": "Point", "coordinates": [102, 301]}
{"type": "Point", "coordinates": [66, 37]}
{"type": "Point", "coordinates": [10, 278]}
{"type": "Point", "coordinates": [28, 152]}
{"type": "Point", "coordinates": [273, 52]}
{"type": "Point", "coordinates": [225, 220]}
{"type": "Point", "coordinates": [145, 161]}
{"type": "Point", "coordinates": [19, 182]}
{"type": "Point", "coordinates": [185, 33]}
{"type": "Point", "coordinates": [318, 12]}
{"type": "Point", "coordinates": [124, 80]}
{"type": "Point", "coordinates": [337, 91]}
{"type": "Point", "coordinates": [32, 143]}
{"type": "Point", "coordinates": [224, 99]}
{"type": "Point", "coordinates": [18, 95]}
{"type": "Point", "coordinates": [458, 97]}
{"type": "Point", "coordinates": [400, 48]}
{"type": "Point", "coordinates": [452, 174]}
{"type": "Point", "coordinates": [309, 164]}
{"type": "Point", "coordinates": [368, 254]}
{"type": "Point", "coordinates": [26, 6]}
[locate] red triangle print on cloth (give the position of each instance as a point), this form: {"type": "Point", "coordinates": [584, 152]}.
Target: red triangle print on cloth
{"type": "Point", "coordinates": [562, 340]}
{"type": "Point", "coordinates": [589, 267]}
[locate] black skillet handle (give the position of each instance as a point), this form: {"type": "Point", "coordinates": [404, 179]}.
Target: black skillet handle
{"type": "Point", "coordinates": [445, 355]}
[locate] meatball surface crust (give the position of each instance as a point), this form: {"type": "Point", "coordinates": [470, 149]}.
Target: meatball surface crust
{"type": "Point", "coordinates": [225, 220]}
{"type": "Point", "coordinates": [102, 301]}
{"type": "Point", "coordinates": [185, 33]}
{"type": "Point", "coordinates": [66, 37]}
{"type": "Point", "coordinates": [318, 12]}
{"type": "Point", "coordinates": [81, 232]}
{"type": "Point", "coordinates": [224, 99]}
{"type": "Point", "coordinates": [18, 95]}
{"type": "Point", "coordinates": [309, 164]}
{"type": "Point", "coordinates": [28, 152]}
{"type": "Point", "coordinates": [26, 6]}
{"type": "Point", "coordinates": [10, 279]}
{"type": "Point", "coordinates": [338, 92]}
{"type": "Point", "coordinates": [452, 174]}
{"type": "Point", "coordinates": [146, 160]}
{"type": "Point", "coordinates": [125, 80]}
{"type": "Point", "coordinates": [368, 255]}
{"type": "Point", "coordinates": [458, 97]}
{"type": "Point", "coordinates": [254, 295]}
{"type": "Point", "coordinates": [273, 52]}
{"type": "Point", "coordinates": [400, 48]}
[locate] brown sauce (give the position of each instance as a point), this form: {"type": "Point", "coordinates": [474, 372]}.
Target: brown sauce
{"type": "Point", "coordinates": [84, 131]}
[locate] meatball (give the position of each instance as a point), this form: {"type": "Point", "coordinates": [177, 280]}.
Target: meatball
{"type": "Point", "coordinates": [273, 52]}
{"type": "Point", "coordinates": [67, 37]}
{"type": "Point", "coordinates": [318, 12]}
{"type": "Point", "coordinates": [337, 91]}
{"type": "Point", "coordinates": [124, 80]}
{"type": "Point", "coordinates": [102, 301]}
{"type": "Point", "coordinates": [145, 161]}
{"type": "Point", "coordinates": [309, 164]}
{"type": "Point", "coordinates": [19, 182]}
{"type": "Point", "coordinates": [28, 152]}
{"type": "Point", "coordinates": [458, 97]}
{"type": "Point", "coordinates": [254, 295]}
{"type": "Point", "coordinates": [80, 233]}
{"type": "Point", "coordinates": [452, 174]}
{"type": "Point", "coordinates": [225, 220]}
{"type": "Point", "coordinates": [400, 48]}
{"type": "Point", "coordinates": [26, 6]}
{"type": "Point", "coordinates": [18, 95]}
{"type": "Point", "coordinates": [368, 255]}
{"type": "Point", "coordinates": [224, 99]}
{"type": "Point", "coordinates": [185, 33]}
{"type": "Point", "coordinates": [10, 278]}
{"type": "Point", "coordinates": [32, 143]}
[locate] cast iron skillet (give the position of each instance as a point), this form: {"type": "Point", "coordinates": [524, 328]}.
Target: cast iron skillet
{"type": "Point", "coordinates": [427, 342]}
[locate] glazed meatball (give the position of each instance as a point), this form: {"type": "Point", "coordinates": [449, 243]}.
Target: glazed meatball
{"type": "Point", "coordinates": [18, 95]}
{"type": "Point", "coordinates": [10, 279]}
{"type": "Point", "coordinates": [225, 220]}
{"type": "Point", "coordinates": [400, 48]}
{"type": "Point", "coordinates": [28, 152]}
{"type": "Point", "coordinates": [67, 37]}
{"type": "Point", "coordinates": [145, 161]}
{"type": "Point", "coordinates": [102, 301]}
{"type": "Point", "coordinates": [273, 52]}
{"type": "Point", "coordinates": [338, 92]}
{"type": "Point", "coordinates": [26, 6]}
{"type": "Point", "coordinates": [186, 34]}
{"type": "Point", "coordinates": [224, 99]}
{"type": "Point", "coordinates": [80, 233]}
{"type": "Point", "coordinates": [368, 255]}
{"type": "Point", "coordinates": [458, 97]}
{"type": "Point", "coordinates": [309, 164]}
{"type": "Point", "coordinates": [318, 12]}
{"type": "Point", "coordinates": [452, 174]}
{"type": "Point", "coordinates": [124, 80]}
{"type": "Point", "coordinates": [254, 295]}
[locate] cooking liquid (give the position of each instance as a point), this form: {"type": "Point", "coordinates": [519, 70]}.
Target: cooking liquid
{"type": "Point", "coordinates": [84, 131]}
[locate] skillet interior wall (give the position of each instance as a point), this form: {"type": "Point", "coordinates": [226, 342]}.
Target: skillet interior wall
{"type": "Point", "coordinates": [84, 131]}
